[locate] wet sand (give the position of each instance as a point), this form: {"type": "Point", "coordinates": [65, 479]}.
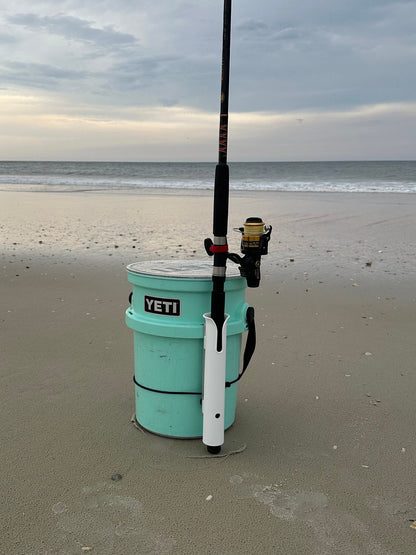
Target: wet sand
{"type": "Point", "coordinates": [325, 411]}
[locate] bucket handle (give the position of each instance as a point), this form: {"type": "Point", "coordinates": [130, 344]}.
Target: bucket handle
{"type": "Point", "coordinates": [250, 344]}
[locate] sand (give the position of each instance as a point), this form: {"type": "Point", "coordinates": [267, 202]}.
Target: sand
{"type": "Point", "coordinates": [325, 410]}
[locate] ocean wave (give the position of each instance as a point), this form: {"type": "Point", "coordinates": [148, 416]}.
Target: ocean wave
{"type": "Point", "coordinates": [355, 177]}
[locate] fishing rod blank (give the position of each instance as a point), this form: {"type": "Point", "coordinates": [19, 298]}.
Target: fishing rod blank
{"type": "Point", "coordinates": [221, 184]}
{"type": "Point", "coordinates": [215, 338]}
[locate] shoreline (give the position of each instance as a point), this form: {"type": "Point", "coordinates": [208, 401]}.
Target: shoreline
{"type": "Point", "coordinates": [183, 191]}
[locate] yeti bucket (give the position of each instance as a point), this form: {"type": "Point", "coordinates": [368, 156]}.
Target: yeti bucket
{"type": "Point", "coordinates": [166, 315]}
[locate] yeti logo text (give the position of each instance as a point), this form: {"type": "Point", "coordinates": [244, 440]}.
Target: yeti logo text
{"type": "Point", "coordinates": [159, 305]}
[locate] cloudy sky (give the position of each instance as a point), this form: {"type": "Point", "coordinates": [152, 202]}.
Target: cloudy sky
{"type": "Point", "coordinates": [139, 80]}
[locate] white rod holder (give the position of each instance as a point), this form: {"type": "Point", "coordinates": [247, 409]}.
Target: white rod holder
{"type": "Point", "coordinates": [213, 391]}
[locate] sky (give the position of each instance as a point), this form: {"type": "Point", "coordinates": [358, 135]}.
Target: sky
{"type": "Point", "coordinates": [140, 80]}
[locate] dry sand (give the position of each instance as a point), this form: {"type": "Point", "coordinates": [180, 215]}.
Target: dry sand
{"type": "Point", "coordinates": [326, 408]}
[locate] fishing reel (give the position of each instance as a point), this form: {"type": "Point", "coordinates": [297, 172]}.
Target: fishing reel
{"type": "Point", "coordinates": [254, 244]}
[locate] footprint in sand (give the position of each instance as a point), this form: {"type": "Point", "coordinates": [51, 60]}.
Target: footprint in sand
{"type": "Point", "coordinates": [108, 523]}
{"type": "Point", "coordinates": [332, 529]}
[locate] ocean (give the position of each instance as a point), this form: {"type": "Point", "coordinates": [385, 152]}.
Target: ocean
{"type": "Point", "coordinates": [368, 177]}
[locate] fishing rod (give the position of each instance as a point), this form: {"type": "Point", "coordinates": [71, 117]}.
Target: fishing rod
{"type": "Point", "coordinates": [255, 238]}
{"type": "Point", "coordinates": [221, 186]}
{"type": "Point", "coordinates": [215, 335]}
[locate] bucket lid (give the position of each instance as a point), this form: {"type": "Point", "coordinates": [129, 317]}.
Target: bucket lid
{"type": "Point", "coordinates": [191, 269]}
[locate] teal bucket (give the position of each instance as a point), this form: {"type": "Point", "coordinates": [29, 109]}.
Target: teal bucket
{"type": "Point", "coordinates": [166, 314]}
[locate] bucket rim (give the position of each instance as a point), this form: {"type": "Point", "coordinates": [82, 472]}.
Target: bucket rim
{"type": "Point", "coordinates": [178, 269]}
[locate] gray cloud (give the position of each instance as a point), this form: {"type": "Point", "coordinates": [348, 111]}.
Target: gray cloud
{"type": "Point", "coordinates": [73, 28]}
{"type": "Point", "coordinates": [38, 75]}
{"type": "Point", "coordinates": [144, 67]}
{"type": "Point", "coordinates": [262, 32]}
{"type": "Point", "coordinates": [252, 26]}
{"type": "Point", "coordinates": [5, 38]}
{"type": "Point", "coordinates": [318, 55]}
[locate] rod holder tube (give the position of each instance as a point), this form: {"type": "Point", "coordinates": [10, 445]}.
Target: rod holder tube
{"type": "Point", "coordinates": [213, 393]}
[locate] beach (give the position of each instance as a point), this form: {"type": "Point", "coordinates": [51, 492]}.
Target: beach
{"type": "Point", "coordinates": [321, 457]}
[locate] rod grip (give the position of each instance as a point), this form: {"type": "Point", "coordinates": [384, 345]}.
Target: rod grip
{"type": "Point", "coordinates": [221, 194]}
